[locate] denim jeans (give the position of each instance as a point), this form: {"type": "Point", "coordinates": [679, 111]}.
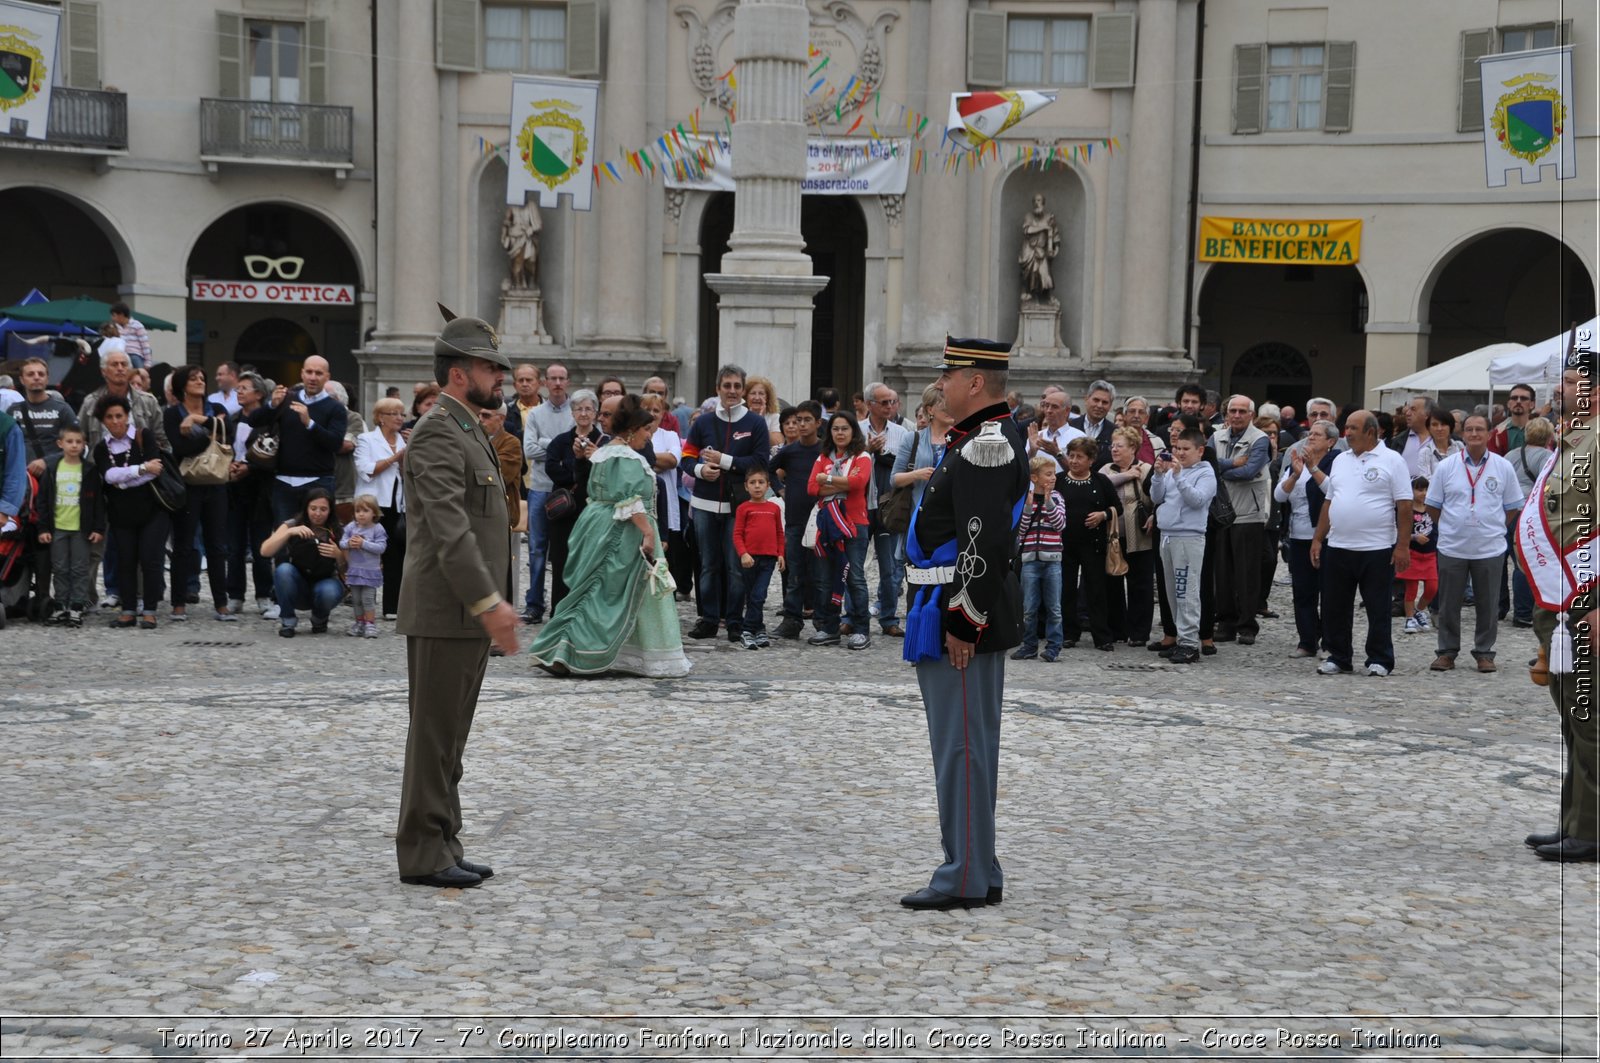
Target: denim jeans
{"type": "Point", "coordinates": [723, 586]}
{"type": "Point", "coordinates": [538, 543]}
{"type": "Point", "coordinates": [1041, 586]}
{"type": "Point", "coordinates": [808, 575]}
{"type": "Point", "coordinates": [855, 589]}
{"type": "Point", "coordinates": [756, 580]}
{"type": "Point", "coordinates": [891, 571]}
{"type": "Point", "coordinates": [295, 591]}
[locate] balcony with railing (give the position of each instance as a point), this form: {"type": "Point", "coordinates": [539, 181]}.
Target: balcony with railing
{"type": "Point", "coordinates": [277, 134]}
{"type": "Point", "coordinates": [82, 121]}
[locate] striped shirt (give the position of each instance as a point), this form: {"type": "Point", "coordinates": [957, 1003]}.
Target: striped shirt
{"type": "Point", "coordinates": [137, 341]}
{"type": "Point", "coordinates": [1039, 531]}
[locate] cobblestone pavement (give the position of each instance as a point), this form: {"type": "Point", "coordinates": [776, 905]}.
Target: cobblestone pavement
{"type": "Point", "coordinates": [1235, 857]}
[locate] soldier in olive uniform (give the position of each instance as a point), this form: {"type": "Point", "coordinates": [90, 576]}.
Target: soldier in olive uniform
{"type": "Point", "coordinates": [452, 602]}
{"type": "Point", "coordinates": [1556, 547]}
{"type": "Point", "coordinates": [965, 613]}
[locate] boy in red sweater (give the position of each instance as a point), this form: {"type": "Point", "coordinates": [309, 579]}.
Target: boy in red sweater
{"type": "Point", "coordinates": [758, 537]}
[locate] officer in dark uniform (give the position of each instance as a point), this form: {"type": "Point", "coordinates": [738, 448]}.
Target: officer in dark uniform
{"type": "Point", "coordinates": [965, 613]}
{"type": "Point", "coordinates": [1556, 547]}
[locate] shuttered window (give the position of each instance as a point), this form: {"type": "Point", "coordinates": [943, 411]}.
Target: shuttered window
{"type": "Point", "coordinates": [1290, 87]}
{"type": "Point", "coordinates": [80, 43]}
{"type": "Point", "coordinates": [1047, 51]}
{"type": "Point", "coordinates": [531, 37]}
{"type": "Point", "coordinates": [455, 34]}
{"type": "Point", "coordinates": [1247, 63]}
{"type": "Point", "coordinates": [583, 38]}
{"type": "Point", "coordinates": [1114, 38]}
{"type": "Point", "coordinates": [1490, 41]}
{"type": "Point", "coordinates": [986, 48]}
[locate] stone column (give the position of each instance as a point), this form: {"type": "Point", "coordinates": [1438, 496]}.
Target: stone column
{"type": "Point", "coordinates": [620, 209]}
{"type": "Point", "coordinates": [1147, 238]}
{"type": "Point", "coordinates": [766, 284]}
{"type": "Point", "coordinates": [1393, 351]}
{"type": "Point", "coordinates": [943, 282]}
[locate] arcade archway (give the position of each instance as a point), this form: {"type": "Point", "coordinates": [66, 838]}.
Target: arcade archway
{"type": "Point", "coordinates": [1509, 285]}
{"type": "Point", "coordinates": [56, 245]}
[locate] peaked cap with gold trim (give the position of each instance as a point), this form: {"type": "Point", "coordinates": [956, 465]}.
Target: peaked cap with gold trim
{"type": "Point", "coordinates": [975, 354]}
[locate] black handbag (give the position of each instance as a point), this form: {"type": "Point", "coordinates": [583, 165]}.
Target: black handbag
{"type": "Point", "coordinates": [168, 486]}
{"type": "Point", "coordinates": [894, 510]}
{"type": "Point", "coordinates": [560, 504]}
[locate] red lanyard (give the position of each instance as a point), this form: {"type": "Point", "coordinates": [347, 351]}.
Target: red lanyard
{"type": "Point", "coordinates": [1472, 481]}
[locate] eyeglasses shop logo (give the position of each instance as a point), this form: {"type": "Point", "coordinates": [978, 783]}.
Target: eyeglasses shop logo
{"type": "Point", "coordinates": [260, 267]}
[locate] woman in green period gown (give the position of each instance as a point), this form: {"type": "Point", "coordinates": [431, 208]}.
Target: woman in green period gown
{"type": "Point", "coordinates": [619, 614]}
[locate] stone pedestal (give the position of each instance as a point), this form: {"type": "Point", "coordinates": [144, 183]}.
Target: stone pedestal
{"type": "Point", "coordinates": [522, 318]}
{"type": "Point", "coordinates": [764, 324]}
{"type": "Point", "coordinates": [1039, 330]}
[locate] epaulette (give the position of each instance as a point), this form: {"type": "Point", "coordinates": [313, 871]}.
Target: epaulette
{"type": "Point", "coordinates": [990, 448]}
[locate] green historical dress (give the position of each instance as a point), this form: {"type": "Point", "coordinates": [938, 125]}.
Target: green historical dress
{"type": "Point", "coordinates": [619, 614]}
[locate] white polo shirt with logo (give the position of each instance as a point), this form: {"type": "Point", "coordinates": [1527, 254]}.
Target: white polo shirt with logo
{"type": "Point", "coordinates": [1362, 490]}
{"type": "Point", "coordinates": [1473, 501]}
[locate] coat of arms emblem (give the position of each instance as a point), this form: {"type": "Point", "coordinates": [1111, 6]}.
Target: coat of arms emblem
{"type": "Point", "coordinates": [22, 68]}
{"type": "Point", "coordinates": [1529, 120]}
{"type": "Point", "coordinates": [552, 143]}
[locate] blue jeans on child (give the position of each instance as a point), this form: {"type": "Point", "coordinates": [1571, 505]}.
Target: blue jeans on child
{"type": "Point", "coordinates": [295, 591]}
{"type": "Point", "coordinates": [756, 579]}
{"type": "Point", "coordinates": [1041, 584]}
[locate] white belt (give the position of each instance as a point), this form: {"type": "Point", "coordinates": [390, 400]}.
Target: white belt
{"type": "Point", "coordinates": [936, 575]}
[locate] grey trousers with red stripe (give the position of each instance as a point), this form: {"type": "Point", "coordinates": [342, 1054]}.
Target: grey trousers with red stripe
{"type": "Point", "coordinates": [964, 730]}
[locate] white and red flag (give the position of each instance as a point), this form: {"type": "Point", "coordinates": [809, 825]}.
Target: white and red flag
{"type": "Point", "coordinates": [978, 117]}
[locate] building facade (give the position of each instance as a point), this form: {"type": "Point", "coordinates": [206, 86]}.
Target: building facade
{"type": "Point", "coordinates": [315, 176]}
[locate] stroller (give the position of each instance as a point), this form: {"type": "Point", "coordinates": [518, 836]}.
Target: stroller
{"type": "Point", "coordinates": [19, 560]}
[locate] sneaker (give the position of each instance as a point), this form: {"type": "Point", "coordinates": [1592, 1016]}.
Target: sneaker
{"type": "Point", "coordinates": [873, 609]}
{"type": "Point", "coordinates": [270, 612]}
{"type": "Point", "coordinates": [235, 606]}
{"type": "Point", "coordinates": [1378, 670]}
{"type": "Point", "coordinates": [824, 638]}
{"type": "Point", "coordinates": [262, 605]}
{"type": "Point", "coordinates": [859, 641]}
{"type": "Point", "coordinates": [1423, 620]}
{"type": "Point", "coordinates": [1412, 627]}
{"type": "Point", "coordinates": [356, 629]}
{"type": "Point", "coordinates": [111, 601]}
{"type": "Point", "coordinates": [57, 616]}
{"type": "Point", "coordinates": [1049, 656]}
{"type": "Point", "coordinates": [748, 639]}
{"type": "Point", "coordinates": [762, 642]}
{"type": "Point", "coordinates": [1331, 667]}
{"type": "Point", "coordinates": [286, 632]}
{"type": "Point", "coordinates": [789, 629]}
{"type": "Point", "coordinates": [1183, 655]}
{"type": "Point", "coordinates": [223, 614]}
{"type": "Point", "coordinates": [74, 618]}
{"type": "Point", "coordinates": [391, 616]}
{"type": "Point", "coordinates": [369, 630]}
{"type": "Point", "coordinates": [703, 629]}
{"type": "Point", "coordinates": [1024, 654]}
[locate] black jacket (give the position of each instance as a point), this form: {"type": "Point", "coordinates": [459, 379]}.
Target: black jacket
{"type": "Point", "coordinates": [566, 469]}
{"type": "Point", "coordinates": [91, 501]}
{"type": "Point", "coordinates": [305, 450]}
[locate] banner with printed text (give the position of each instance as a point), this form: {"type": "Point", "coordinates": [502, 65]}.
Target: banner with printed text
{"type": "Point", "coordinates": [1290, 241]}
{"type": "Point", "coordinates": [1526, 114]}
{"type": "Point", "coordinates": [554, 137]}
{"type": "Point", "coordinates": [28, 34]}
{"type": "Point", "coordinates": [835, 166]}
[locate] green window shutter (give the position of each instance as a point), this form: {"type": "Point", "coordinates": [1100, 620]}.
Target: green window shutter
{"type": "Point", "coordinates": [1339, 87]}
{"type": "Point", "coordinates": [80, 36]}
{"type": "Point", "coordinates": [986, 48]}
{"type": "Point", "coordinates": [1469, 106]}
{"type": "Point", "coordinates": [230, 56]}
{"type": "Point", "coordinates": [1248, 60]}
{"type": "Point", "coordinates": [583, 38]}
{"type": "Point", "coordinates": [317, 60]}
{"type": "Point", "coordinates": [457, 25]}
{"type": "Point", "coordinates": [1111, 51]}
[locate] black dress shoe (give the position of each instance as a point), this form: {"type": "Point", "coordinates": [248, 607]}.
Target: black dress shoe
{"type": "Point", "coordinates": [1570, 851]}
{"type": "Point", "coordinates": [929, 899]}
{"type": "Point", "coordinates": [481, 870]}
{"type": "Point", "coordinates": [1247, 640]}
{"type": "Point", "coordinates": [994, 896]}
{"type": "Point", "coordinates": [449, 878]}
{"type": "Point", "coordinates": [1207, 650]}
{"type": "Point", "coordinates": [1533, 841]}
{"type": "Point", "coordinates": [1157, 646]}
{"type": "Point", "coordinates": [703, 629]}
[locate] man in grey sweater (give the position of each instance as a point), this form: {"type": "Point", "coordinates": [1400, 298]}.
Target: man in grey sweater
{"type": "Point", "coordinates": [1243, 454]}
{"type": "Point", "coordinates": [543, 423]}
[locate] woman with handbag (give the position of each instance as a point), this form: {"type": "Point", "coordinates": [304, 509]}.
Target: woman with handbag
{"type": "Point", "coordinates": [127, 462]}
{"type": "Point", "coordinates": [379, 456]}
{"type": "Point", "coordinates": [567, 463]}
{"type": "Point", "coordinates": [1090, 503]}
{"type": "Point", "coordinates": [1133, 594]}
{"type": "Point", "coordinates": [202, 442]}
{"type": "Point", "coordinates": [307, 561]}
{"type": "Point", "coordinates": [839, 481]}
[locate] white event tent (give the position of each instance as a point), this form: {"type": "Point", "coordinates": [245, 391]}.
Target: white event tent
{"type": "Point", "coordinates": [1468, 372]}
{"type": "Point", "coordinates": [1540, 363]}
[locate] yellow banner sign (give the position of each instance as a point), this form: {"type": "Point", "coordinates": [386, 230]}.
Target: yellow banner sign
{"type": "Point", "coordinates": [1286, 240]}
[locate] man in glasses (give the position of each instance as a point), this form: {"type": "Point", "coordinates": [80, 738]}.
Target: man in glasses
{"type": "Point", "coordinates": [1511, 433]}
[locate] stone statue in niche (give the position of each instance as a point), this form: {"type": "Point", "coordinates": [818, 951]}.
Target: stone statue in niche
{"type": "Point", "coordinates": [519, 235]}
{"type": "Point", "coordinates": [1041, 242]}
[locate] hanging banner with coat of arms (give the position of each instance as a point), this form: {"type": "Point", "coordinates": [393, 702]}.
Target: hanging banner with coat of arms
{"type": "Point", "coordinates": [554, 137]}
{"type": "Point", "coordinates": [28, 35]}
{"type": "Point", "coordinates": [1526, 115]}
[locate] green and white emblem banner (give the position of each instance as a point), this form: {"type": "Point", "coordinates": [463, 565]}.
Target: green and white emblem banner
{"type": "Point", "coordinates": [553, 140]}
{"type": "Point", "coordinates": [1527, 113]}
{"type": "Point", "coordinates": [28, 34]}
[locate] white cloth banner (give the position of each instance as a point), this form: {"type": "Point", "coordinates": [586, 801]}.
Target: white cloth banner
{"type": "Point", "coordinates": [28, 36]}
{"type": "Point", "coordinates": [1527, 115]}
{"type": "Point", "coordinates": [835, 166]}
{"type": "Point", "coordinates": [554, 137]}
